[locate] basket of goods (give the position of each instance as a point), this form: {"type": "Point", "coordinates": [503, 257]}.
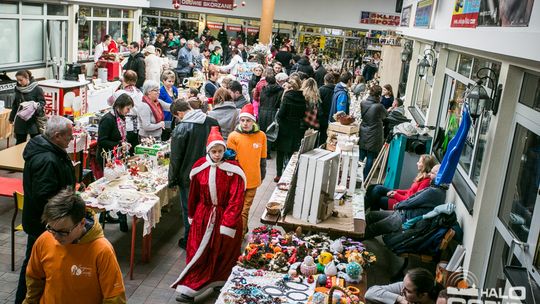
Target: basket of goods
{"type": "Point", "coordinates": [273, 208]}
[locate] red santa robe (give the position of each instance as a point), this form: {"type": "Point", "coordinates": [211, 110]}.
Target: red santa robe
{"type": "Point", "coordinates": [216, 199]}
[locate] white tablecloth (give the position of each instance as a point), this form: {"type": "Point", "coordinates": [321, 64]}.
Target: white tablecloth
{"type": "Point", "coordinates": [97, 98]}
{"type": "Point", "coordinates": [78, 144]}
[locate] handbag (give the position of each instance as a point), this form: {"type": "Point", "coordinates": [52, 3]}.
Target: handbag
{"type": "Point", "coordinates": [272, 131]}
{"type": "Point", "coordinates": [26, 110]}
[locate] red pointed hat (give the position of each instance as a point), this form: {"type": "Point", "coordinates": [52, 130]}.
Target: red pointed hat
{"type": "Point", "coordinates": [214, 138]}
{"type": "Point", "coordinates": [247, 111]}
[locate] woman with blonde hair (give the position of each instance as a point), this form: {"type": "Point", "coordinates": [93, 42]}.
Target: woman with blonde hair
{"type": "Point", "coordinates": [313, 100]}
{"type": "Point", "coordinates": [380, 197]}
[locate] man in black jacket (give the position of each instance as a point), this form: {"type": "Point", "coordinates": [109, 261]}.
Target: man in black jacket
{"type": "Point", "coordinates": [47, 170]}
{"type": "Point", "coordinates": [305, 67]}
{"type": "Point", "coordinates": [187, 146]}
{"type": "Point", "coordinates": [285, 57]}
{"type": "Point", "coordinates": [136, 63]}
{"type": "Point", "coordinates": [327, 93]}
{"type": "Point", "coordinates": [320, 72]}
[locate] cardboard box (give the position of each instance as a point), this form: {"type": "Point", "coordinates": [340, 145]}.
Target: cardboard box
{"type": "Point", "coordinates": [345, 129]}
{"type": "Point", "coordinates": [151, 151]}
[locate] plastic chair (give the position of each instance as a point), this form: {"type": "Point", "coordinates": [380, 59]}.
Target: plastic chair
{"type": "Point", "coordinates": [18, 199]}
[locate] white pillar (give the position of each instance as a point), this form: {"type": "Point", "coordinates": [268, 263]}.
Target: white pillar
{"type": "Point", "coordinates": [72, 34]}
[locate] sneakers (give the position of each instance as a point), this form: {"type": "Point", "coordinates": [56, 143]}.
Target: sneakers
{"type": "Point", "coordinates": [276, 179]}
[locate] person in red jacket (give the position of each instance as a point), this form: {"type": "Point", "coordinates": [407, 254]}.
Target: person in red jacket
{"type": "Point", "coordinates": [379, 197]}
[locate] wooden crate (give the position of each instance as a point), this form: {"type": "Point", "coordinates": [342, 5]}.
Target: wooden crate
{"type": "Point", "coordinates": [304, 183]}
{"type": "Point", "coordinates": [349, 168]}
{"type": "Point", "coordinates": [322, 202]}
{"type": "Point", "coordinates": [345, 129]}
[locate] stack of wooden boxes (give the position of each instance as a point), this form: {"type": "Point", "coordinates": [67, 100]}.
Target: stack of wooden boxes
{"type": "Point", "coordinates": [335, 129]}
{"type": "Point", "coordinates": [317, 178]}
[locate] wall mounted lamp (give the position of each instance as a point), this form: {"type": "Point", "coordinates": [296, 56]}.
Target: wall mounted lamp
{"type": "Point", "coordinates": [425, 64]}
{"type": "Point", "coordinates": [406, 52]}
{"type": "Point", "coordinates": [478, 98]}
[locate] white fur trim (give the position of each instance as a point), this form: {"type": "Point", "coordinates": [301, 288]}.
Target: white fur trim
{"type": "Point", "coordinates": [190, 220]}
{"type": "Point", "coordinates": [248, 116]}
{"type": "Point", "coordinates": [214, 143]}
{"type": "Point", "coordinates": [227, 231]}
{"type": "Point", "coordinates": [212, 185]}
{"type": "Point", "coordinates": [202, 247]}
{"type": "Point", "coordinates": [193, 293]}
{"type": "Point", "coordinates": [234, 169]}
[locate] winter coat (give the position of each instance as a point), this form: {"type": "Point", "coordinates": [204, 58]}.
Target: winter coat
{"type": "Point", "coordinates": [241, 102]}
{"type": "Point", "coordinates": [30, 126]}
{"type": "Point", "coordinates": [290, 118]}
{"type": "Point", "coordinates": [327, 93]}
{"type": "Point", "coordinates": [340, 100]}
{"type": "Point", "coordinates": [136, 63]}
{"type": "Point", "coordinates": [319, 76]}
{"type": "Point", "coordinates": [164, 95]}
{"type": "Point", "coordinates": [252, 84]}
{"type": "Point", "coordinates": [188, 145]}
{"type": "Point", "coordinates": [148, 127]}
{"type": "Point", "coordinates": [215, 58]}
{"type": "Point", "coordinates": [108, 135]}
{"type": "Point", "coordinates": [395, 117]}
{"type": "Point", "coordinates": [421, 202]}
{"type": "Point", "coordinates": [227, 115]}
{"type": "Point", "coordinates": [210, 88]}
{"type": "Point", "coordinates": [284, 58]}
{"type": "Point", "coordinates": [371, 128]}
{"type": "Point", "coordinates": [152, 65]}
{"type": "Point", "coordinates": [305, 67]}
{"type": "Point", "coordinates": [47, 170]}
{"type": "Point", "coordinates": [369, 71]}
{"type": "Point", "coordinates": [270, 101]}
{"type": "Point", "coordinates": [185, 57]}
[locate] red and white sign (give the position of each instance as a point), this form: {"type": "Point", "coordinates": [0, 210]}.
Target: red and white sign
{"type": "Point", "coordinates": [214, 25]}
{"type": "Point", "coordinates": [234, 28]}
{"type": "Point", "coordinates": [252, 30]}
{"type": "Point", "coordinates": [217, 4]}
{"type": "Point", "coordinates": [379, 18]}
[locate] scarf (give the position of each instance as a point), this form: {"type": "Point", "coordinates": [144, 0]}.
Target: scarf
{"type": "Point", "coordinates": [29, 88]}
{"type": "Point", "coordinates": [121, 124]}
{"type": "Point", "coordinates": [157, 110]}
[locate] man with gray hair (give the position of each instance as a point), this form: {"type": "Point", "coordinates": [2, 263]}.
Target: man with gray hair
{"type": "Point", "coordinates": [185, 62]}
{"type": "Point", "coordinates": [47, 170]}
{"type": "Point", "coordinates": [73, 261]}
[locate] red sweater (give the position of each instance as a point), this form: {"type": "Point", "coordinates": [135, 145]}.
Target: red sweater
{"type": "Point", "coordinates": [403, 194]}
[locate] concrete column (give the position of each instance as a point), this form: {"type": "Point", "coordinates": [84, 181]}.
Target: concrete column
{"type": "Point", "coordinates": [267, 20]}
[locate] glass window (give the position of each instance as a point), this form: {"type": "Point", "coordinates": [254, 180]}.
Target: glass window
{"type": "Point", "coordinates": [465, 63]}
{"type": "Point", "coordinates": [151, 12]}
{"type": "Point", "coordinates": [495, 277]}
{"type": "Point", "coordinates": [32, 9]}
{"type": "Point", "coordinates": [423, 92]}
{"type": "Point", "coordinates": [127, 13]}
{"type": "Point", "coordinates": [56, 10]}
{"type": "Point", "coordinates": [254, 22]}
{"type": "Point", "coordinates": [452, 60]}
{"type": "Point", "coordinates": [520, 193]}
{"type": "Point", "coordinates": [169, 24]}
{"type": "Point", "coordinates": [9, 33]}
{"type": "Point", "coordinates": [32, 34]}
{"type": "Point", "coordinates": [99, 30]}
{"type": "Point", "coordinates": [84, 11]}
{"type": "Point", "coordinates": [99, 12]}
{"type": "Point", "coordinates": [115, 13]}
{"type": "Point", "coordinates": [84, 41]}
{"type": "Point", "coordinates": [9, 8]}
{"type": "Point", "coordinates": [115, 29]}
{"type": "Point", "coordinates": [480, 147]}
{"type": "Point", "coordinates": [216, 19]}
{"type": "Point", "coordinates": [127, 31]}
{"type": "Point", "coordinates": [235, 21]}
{"type": "Point", "coordinates": [530, 91]}
{"type": "Point", "coordinates": [172, 14]}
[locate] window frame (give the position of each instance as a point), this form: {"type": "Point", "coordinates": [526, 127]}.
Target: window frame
{"type": "Point", "coordinates": [19, 16]}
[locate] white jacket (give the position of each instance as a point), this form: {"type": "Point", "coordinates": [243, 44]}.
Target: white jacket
{"type": "Point", "coordinates": [153, 66]}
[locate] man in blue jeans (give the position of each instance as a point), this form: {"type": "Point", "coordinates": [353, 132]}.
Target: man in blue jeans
{"type": "Point", "coordinates": [47, 170]}
{"type": "Point", "coordinates": [188, 144]}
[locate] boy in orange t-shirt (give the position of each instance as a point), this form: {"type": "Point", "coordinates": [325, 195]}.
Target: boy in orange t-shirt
{"type": "Point", "coordinates": [249, 143]}
{"type": "Point", "coordinates": [72, 262]}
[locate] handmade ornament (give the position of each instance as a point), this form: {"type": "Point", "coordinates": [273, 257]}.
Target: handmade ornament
{"type": "Point", "coordinates": [355, 257]}
{"type": "Point", "coordinates": [330, 269]}
{"type": "Point", "coordinates": [336, 246]}
{"type": "Point", "coordinates": [325, 257]}
{"type": "Point", "coordinates": [321, 280]}
{"type": "Point", "coordinates": [353, 273]}
{"type": "Point", "coordinates": [308, 267]}
{"type": "Point", "coordinates": [318, 298]}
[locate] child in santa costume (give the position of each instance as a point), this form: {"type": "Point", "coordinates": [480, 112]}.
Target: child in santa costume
{"type": "Point", "coordinates": [249, 142]}
{"type": "Point", "coordinates": [216, 197]}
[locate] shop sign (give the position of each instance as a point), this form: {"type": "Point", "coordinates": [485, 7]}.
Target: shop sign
{"type": "Point", "coordinates": [465, 13]}
{"type": "Point", "coordinates": [214, 25]}
{"type": "Point", "coordinates": [252, 30]}
{"type": "Point", "coordinates": [423, 13]}
{"type": "Point", "coordinates": [218, 4]}
{"type": "Point", "coordinates": [505, 13]}
{"type": "Point", "coordinates": [406, 16]}
{"type": "Point", "coordinates": [234, 28]}
{"type": "Point", "coordinates": [379, 18]}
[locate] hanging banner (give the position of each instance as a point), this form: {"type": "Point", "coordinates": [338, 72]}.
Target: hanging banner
{"type": "Point", "coordinates": [217, 4]}
{"type": "Point", "coordinates": [234, 28]}
{"type": "Point", "coordinates": [465, 13]}
{"type": "Point", "coordinates": [214, 25]}
{"type": "Point", "coordinates": [379, 18]}
{"type": "Point", "coordinates": [505, 12]}
{"type": "Point", "coordinates": [406, 16]}
{"type": "Point", "coordinates": [252, 30]}
{"type": "Point", "coordinates": [423, 13]}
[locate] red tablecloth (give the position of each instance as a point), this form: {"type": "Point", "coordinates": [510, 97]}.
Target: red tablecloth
{"type": "Point", "coordinates": [9, 185]}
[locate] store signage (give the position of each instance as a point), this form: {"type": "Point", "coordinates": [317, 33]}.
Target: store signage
{"type": "Point", "coordinates": [218, 4]}
{"type": "Point", "coordinates": [423, 13]}
{"type": "Point", "coordinates": [214, 25]}
{"type": "Point", "coordinates": [252, 30]}
{"type": "Point", "coordinates": [406, 16]}
{"type": "Point", "coordinates": [465, 13]}
{"type": "Point", "coordinates": [234, 28]}
{"type": "Point", "coordinates": [379, 18]}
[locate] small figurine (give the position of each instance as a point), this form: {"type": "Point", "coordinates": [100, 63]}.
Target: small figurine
{"type": "Point", "coordinates": [308, 267]}
{"type": "Point", "coordinates": [336, 246]}
{"type": "Point", "coordinates": [330, 270]}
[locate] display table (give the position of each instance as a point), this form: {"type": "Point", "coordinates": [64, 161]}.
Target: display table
{"type": "Point", "coordinates": [347, 219]}
{"type": "Point", "coordinates": [6, 129]}
{"type": "Point", "coordinates": [65, 97]}
{"type": "Point", "coordinates": [98, 95]}
{"type": "Point", "coordinates": [12, 158]}
{"type": "Point", "coordinates": [125, 196]}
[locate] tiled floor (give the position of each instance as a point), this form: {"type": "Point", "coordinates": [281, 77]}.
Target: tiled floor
{"type": "Point", "coordinates": [151, 280]}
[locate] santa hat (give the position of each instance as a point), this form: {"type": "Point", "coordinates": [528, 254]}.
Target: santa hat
{"type": "Point", "coordinates": [215, 138]}
{"type": "Point", "coordinates": [247, 111]}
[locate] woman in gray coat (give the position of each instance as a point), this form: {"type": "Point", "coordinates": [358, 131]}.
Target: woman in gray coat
{"type": "Point", "coordinates": [150, 111]}
{"type": "Point", "coordinates": [371, 128]}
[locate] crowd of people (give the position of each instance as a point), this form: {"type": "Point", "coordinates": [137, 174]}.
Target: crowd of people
{"type": "Point", "coordinates": [218, 159]}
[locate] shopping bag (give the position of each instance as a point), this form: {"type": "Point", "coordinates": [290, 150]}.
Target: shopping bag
{"type": "Point", "coordinates": [272, 131]}
{"type": "Point", "coordinates": [26, 110]}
